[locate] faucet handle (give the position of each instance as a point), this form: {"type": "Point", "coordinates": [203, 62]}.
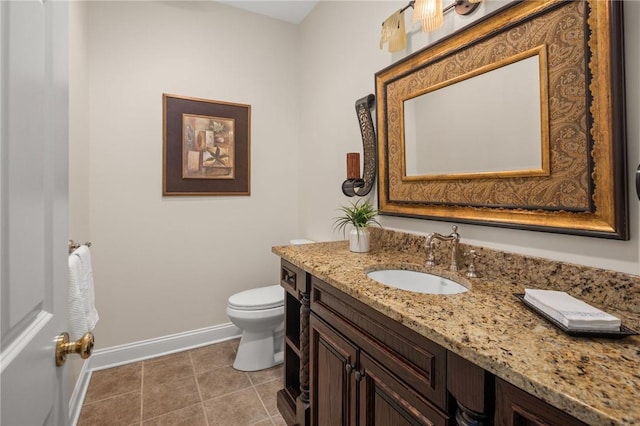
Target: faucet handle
{"type": "Point", "coordinates": [471, 272]}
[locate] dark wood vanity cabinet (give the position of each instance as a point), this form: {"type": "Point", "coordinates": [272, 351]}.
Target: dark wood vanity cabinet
{"type": "Point", "coordinates": [346, 363]}
{"type": "Point", "coordinates": [348, 387]}
{"type": "Point", "coordinates": [333, 388]}
{"type": "Point", "coordinates": [293, 399]}
{"type": "Point", "coordinates": [515, 407]}
{"type": "Point", "coordinates": [368, 370]}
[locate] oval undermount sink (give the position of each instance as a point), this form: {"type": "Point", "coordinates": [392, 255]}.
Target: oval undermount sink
{"type": "Point", "coordinates": [420, 282]}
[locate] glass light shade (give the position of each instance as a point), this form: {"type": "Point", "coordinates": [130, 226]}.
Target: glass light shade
{"type": "Point", "coordinates": [429, 13]}
{"type": "Point", "coordinates": [394, 33]}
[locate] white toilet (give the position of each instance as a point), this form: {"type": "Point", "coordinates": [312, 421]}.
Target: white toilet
{"type": "Point", "coordinates": [259, 312]}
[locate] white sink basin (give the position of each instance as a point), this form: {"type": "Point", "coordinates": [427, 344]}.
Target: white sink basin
{"type": "Point", "coordinates": [420, 282]}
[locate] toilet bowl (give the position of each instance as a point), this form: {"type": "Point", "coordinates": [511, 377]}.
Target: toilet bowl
{"type": "Point", "coordinates": [259, 312]}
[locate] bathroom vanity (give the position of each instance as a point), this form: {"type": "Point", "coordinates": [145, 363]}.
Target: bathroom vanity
{"type": "Point", "coordinates": [358, 352]}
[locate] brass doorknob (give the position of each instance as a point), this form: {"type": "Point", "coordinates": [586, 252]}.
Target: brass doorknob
{"type": "Point", "coordinates": [83, 347]}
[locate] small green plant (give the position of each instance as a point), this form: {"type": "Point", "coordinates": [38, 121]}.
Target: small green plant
{"type": "Point", "coordinates": [358, 214]}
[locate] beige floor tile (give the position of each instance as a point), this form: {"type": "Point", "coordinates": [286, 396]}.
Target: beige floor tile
{"type": "Point", "coordinates": [267, 392]}
{"type": "Point", "coordinates": [221, 381]}
{"type": "Point", "coordinates": [278, 420]}
{"type": "Point", "coordinates": [177, 356]}
{"type": "Point", "coordinates": [236, 409]}
{"type": "Point", "coordinates": [265, 422]}
{"type": "Point", "coordinates": [262, 376]}
{"type": "Point", "coordinates": [192, 415]}
{"type": "Point", "coordinates": [169, 396]}
{"type": "Point", "coordinates": [114, 381]}
{"type": "Point", "coordinates": [121, 410]}
{"type": "Point", "coordinates": [213, 356]}
{"type": "Point", "coordinates": [167, 391]}
{"type": "Point", "coordinates": [169, 368]}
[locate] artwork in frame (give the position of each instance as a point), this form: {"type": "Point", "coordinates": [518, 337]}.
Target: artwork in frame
{"type": "Point", "coordinates": [206, 147]}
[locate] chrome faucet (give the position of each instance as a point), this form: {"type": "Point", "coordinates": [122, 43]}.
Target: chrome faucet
{"type": "Point", "coordinates": [454, 237]}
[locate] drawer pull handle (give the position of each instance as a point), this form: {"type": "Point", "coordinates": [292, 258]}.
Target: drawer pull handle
{"type": "Point", "coordinates": [288, 277]}
{"type": "Point", "coordinates": [359, 375]}
{"type": "Point", "coordinates": [348, 368]}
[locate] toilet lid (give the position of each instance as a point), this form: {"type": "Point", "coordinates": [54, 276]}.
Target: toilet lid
{"type": "Point", "coordinates": [258, 298]}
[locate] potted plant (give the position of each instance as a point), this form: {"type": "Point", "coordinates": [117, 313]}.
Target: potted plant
{"type": "Point", "coordinates": [358, 215]}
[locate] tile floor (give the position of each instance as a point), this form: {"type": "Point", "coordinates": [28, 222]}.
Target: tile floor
{"type": "Point", "coordinates": [198, 387]}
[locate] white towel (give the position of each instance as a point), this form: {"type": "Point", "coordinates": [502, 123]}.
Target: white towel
{"type": "Point", "coordinates": [83, 315]}
{"type": "Point", "coordinates": [571, 312]}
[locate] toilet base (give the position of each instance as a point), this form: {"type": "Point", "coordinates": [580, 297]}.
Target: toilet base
{"type": "Point", "coordinates": [255, 352]}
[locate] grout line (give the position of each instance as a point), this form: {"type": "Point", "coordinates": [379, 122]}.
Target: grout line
{"type": "Point", "coordinates": [109, 397]}
{"type": "Point", "coordinates": [195, 376]}
{"type": "Point", "coordinates": [228, 393]}
{"type": "Point", "coordinates": [204, 412]}
{"type": "Point", "coordinates": [178, 409]}
{"type": "Point", "coordinates": [262, 402]}
{"type": "Point", "coordinates": [265, 382]}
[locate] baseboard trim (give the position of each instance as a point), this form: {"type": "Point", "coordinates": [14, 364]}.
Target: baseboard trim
{"type": "Point", "coordinates": [144, 349]}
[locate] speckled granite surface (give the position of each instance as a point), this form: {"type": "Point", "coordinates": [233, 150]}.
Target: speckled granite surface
{"type": "Point", "coordinates": [595, 380]}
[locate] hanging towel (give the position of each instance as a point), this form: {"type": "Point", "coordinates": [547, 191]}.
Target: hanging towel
{"type": "Point", "coordinates": [83, 315]}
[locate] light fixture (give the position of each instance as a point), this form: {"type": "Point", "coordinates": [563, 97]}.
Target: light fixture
{"type": "Point", "coordinates": [429, 13]}
{"type": "Point", "coordinates": [393, 32]}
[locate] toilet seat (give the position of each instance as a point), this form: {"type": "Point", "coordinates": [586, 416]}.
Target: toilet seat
{"type": "Point", "coordinates": [257, 299]}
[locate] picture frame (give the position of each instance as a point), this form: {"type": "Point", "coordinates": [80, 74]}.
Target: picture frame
{"type": "Point", "coordinates": [206, 147]}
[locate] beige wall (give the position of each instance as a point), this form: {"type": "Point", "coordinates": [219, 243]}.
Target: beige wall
{"type": "Point", "coordinates": [79, 193]}
{"type": "Point", "coordinates": [164, 265]}
{"type": "Point", "coordinates": [167, 265]}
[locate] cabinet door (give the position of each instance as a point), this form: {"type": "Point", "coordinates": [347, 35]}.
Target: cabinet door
{"type": "Point", "coordinates": [332, 391]}
{"type": "Point", "coordinates": [515, 407]}
{"type": "Point", "coordinates": [386, 401]}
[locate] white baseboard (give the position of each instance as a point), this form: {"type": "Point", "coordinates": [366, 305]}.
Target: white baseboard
{"type": "Point", "coordinates": [145, 349]}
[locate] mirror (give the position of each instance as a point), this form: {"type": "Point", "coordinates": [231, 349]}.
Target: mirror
{"type": "Point", "coordinates": [511, 93]}
{"type": "Point", "coordinates": [516, 121]}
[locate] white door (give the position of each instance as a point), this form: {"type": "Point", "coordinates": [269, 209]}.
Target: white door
{"type": "Point", "coordinates": [33, 213]}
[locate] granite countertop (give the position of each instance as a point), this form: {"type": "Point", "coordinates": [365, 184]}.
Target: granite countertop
{"type": "Point", "coordinates": [594, 380]}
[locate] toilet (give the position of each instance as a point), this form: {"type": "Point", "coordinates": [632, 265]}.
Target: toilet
{"type": "Point", "coordinates": [259, 313]}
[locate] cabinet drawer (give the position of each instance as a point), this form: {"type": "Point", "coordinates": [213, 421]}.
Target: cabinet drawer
{"type": "Point", "coordinates": [417, 361]}
{"type": "Point", "coordinates": [292, 278]}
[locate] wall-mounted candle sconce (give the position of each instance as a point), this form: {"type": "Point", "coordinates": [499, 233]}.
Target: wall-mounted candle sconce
{"type": "Point", "coordinates": [429, 13]}
{"type": "Point", "coordinates": [356, 185]}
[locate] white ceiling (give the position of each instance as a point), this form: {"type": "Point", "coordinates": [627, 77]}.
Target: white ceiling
{"type": "Point", "coordinates": [293, 11]}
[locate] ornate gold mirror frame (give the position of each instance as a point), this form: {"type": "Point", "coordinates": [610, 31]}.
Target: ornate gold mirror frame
{"type": "Point", "coordinates": [582, 189]}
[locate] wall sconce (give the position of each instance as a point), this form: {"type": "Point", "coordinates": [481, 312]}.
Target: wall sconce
{"type": "Point", "coordinates": [355, 185]}
{"type": "Point", "coordinates": [429, 13]}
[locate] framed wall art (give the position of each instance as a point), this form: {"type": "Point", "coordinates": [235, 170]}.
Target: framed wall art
{"type": "Point", "coordinates": [206, 147]}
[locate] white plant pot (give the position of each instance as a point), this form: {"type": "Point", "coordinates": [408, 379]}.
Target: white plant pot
{"type": "Point", "coordinates": [359, 239]}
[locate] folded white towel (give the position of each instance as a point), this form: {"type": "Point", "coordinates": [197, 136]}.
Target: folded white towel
{"type": "Point", "coordinates": [83, 315]}
{"type": "Point", "coordinates": [571, 312]}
